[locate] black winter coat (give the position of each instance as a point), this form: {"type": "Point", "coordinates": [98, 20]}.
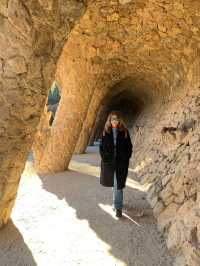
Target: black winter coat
{"type": "Point", "coordinates": [120, 163]}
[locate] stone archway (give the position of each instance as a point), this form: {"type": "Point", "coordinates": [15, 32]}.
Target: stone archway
{"type": "Point", "coordinates": [100, 51]}
{"type": "Point", "coordinates": [155, 45]}
{"type": "Point", "coordinates": [111, 100]}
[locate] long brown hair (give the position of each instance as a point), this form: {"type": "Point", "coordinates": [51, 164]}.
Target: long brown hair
{"type": "Point", "coordinates": [121, 125]}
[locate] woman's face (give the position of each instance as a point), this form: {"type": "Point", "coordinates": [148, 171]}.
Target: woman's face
{"type": "Point", "coordinates": [114, 120]}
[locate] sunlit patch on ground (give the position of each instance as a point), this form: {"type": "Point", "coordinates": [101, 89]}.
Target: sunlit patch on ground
{"type": "Point", "coordinates": [53, 232]}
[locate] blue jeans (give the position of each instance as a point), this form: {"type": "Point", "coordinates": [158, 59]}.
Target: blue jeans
{"type": "Point", "coordinates": [117, 195]}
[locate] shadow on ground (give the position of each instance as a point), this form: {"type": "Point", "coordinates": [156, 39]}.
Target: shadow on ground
{"type": "Point", "coordinates": [133, 240]}
{"type": "Point", "coordinates": [13, 249]}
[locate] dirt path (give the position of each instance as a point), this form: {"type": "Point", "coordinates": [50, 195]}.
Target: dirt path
{"type": "Point", "coordinates": [67, 220]}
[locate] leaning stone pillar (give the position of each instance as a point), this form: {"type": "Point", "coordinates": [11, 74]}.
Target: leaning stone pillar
{"type": "Point", "coordinates": [96, 125]}
{"type": "Point", "coordinates": [101, 123]}
{"type": "Point", "coordinates": [41, 137]}
{"type": "Point", "coordinates": [65, 131]}
{"type": "Point", "coordinates": [27, 64]}
{"type": "Point", "coordinates": [100, 127]}
{"type": "Point", "coordinates": [77, 91]}
{"type": "Point", "coordinates": [88, 124]}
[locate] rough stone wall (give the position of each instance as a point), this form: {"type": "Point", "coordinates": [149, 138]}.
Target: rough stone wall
{"type": "Point", "coordinates": [32, 34]}
{"type": "Point", "coordinates": [166, 155]}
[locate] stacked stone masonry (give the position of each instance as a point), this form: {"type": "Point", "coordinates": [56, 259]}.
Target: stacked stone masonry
{"type": "Point", "coordinates": [169, 160]}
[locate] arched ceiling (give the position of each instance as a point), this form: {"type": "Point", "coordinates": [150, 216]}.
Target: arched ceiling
{"type": "Point", "coordinates": [152, 43]}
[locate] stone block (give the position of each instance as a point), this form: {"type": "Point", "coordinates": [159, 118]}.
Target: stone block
{"type": "Point", "coordinates": [166, 218]}
{"type": "Point", "coordinates": [158, 208]}
{"type": "Point", "coordinates": [13, 66]}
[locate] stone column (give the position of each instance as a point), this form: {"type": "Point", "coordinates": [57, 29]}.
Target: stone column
{"type": "Point", "coordinates": [41, 137]}
{"type": "Point", "coordinates": [99, 117]}
{"type": "Point", "coordinates": [77, 90]}
{"type": "Point", "coordinates": [65, 130]}
{"type": "Point", "coordinates": [43, 134]}
{"type": "Point", "coordinates": [30, 44]}
{"type": "Point", "coordinates": [89, 122]}
{"type": "Point", "coordinates": [101, 123]}
{"type": "Point", "coordinates": [101, 126]}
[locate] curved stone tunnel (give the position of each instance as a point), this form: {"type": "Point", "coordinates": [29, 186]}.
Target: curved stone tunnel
{"type": "Point", "coordinates": [123, 97]}
{"type": "Point", "coordinates": [98, 55]}
{"type": "Point", "coordinates": [141, 57]}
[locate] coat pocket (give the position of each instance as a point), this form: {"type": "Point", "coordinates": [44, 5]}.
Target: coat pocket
{"type": "Point", "coordinates": [106, 174]}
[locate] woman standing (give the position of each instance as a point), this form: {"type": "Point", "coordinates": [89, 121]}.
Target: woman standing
{"type": "Point", "coordinates": [115, 150]}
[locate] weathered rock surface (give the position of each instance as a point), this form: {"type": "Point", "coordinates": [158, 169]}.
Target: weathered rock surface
{"type": "Point", "coordinates": [174, 194]}
{"type": "Point", "coordinates": [32, 34]}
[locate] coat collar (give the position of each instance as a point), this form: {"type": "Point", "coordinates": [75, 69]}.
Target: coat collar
{"type": "Point", "coordinates": [120, 130]}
